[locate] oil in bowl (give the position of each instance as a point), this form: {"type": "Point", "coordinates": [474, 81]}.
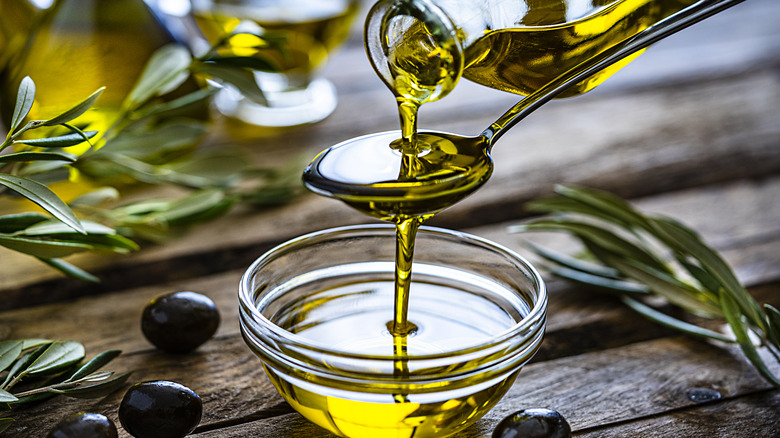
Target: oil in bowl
{"type": "Point", "coordinates": [316, 311]}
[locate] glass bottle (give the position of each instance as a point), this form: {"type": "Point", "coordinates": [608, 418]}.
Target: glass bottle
{"type": "Point", "coordinates": [509, 45]}
{"type": "Point", "coordinates": [79, 46]}
{"type": "Point", "coordinates": [16, 20]}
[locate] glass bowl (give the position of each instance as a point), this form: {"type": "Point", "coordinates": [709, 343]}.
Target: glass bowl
{"type": "Point", "coordinates": [315, 311]}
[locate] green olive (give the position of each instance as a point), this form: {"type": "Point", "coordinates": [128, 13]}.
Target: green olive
{"type": "Point", "coordinates": [84, 425]}
{"type": "Point", "coordinates": [180, 322]}
{"type": "Point", "coordinates": [533, 423]}
{"type": "Point", "coordinates": [160, 409]}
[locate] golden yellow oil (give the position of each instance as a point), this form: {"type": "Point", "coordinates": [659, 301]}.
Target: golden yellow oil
{"type": "Point", "coordinates": [351, 317]}
{"type": "Point", "coordinates": [390, 184]}
{"type": "Point", "coordinates": [556, 35]}
{"type": "Point", "coordinates": [309, 29]}
{"type": "Point", "coordinates": [16, 20]}
{"type": "Point", "coordinates": [433, 417]}
{"type": "Point", "coordinates": [520, 46]}
{"type": "Point", "coordinates": [79, 46]}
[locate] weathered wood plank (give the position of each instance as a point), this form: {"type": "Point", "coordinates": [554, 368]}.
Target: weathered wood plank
{"type": "Point", "coordinates": [749, 416]}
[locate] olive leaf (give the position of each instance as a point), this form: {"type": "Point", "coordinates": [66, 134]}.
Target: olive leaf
{"type": "Point", "coordinates": [37, 156]}
{"type": "Point", "coordinates": [98, 389]}
{"type": "Point", "coordinates": [20, 365]}
{"type": "Point", "coordinates": [77, 110]}
{"type": "Point", "coordinates": [14, 222]}
{"type": "Point", "coordinates": [7, 397]}
{"type": "Point", "coordinates": [57, 356]}
{"type": "Point", "coordinates": [46, 367]}
{"type": "Point", "coordinates": [5, 423]}
{"type": "Point", "coordinates": [165, 70]}
{"type": "Point", "coordinates": [44, 197]}
{"type": "Point", "coordinates": [661, 255]}
{"type": "Point", "coordinates": [94, 364]}
{"type": "Point", "coordinates": [24, 101]}
{"type": "Point", "coordinates": [69, 269]}
{"type": "Point", "coordinates": [741, 330]}
{"type": "Point", "coordinates": [9, 352]}
{"type": "Point", "coordinates": [242, 79]}
{"type": "Point", "coordinates": [59, 141]}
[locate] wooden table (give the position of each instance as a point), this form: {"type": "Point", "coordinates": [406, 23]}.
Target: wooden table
{"type": "Point", "coordinates": [691, 130]}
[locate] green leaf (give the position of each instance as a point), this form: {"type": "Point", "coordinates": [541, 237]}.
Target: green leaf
{"type": "Point", "coordinates": [45, 198]}
{"type": "Point", "coordinates": [20, 365]}
{"type": "Point", "coordinates": [672, 322]}
{"type": "Point", "coordinates": [38, 156]}
{"type": "Point", "coordinates": [34, 343]}
{"type": "Point", "coordinates": [667, 286]}
{"type": "Point", "coordinates": [615, 209]}
{"type": "Point", "coordinates": [75, 111]}
{"type": "Point", "coordinates": [58, 355]}
{"type": "Point", "coordinates": [734, 317]}
{"type": "Point", "coordinates": [96, 197]}
{"type": "Point", "coordinates": [157, 108]}
{"type": "Point", "coordinates": [250, 62]}
{"type": "Point", "coordinates": [9, 352]}
{"type": "Point", "coordinates": [96, 390]}
{"type": "Point", "coordinates": [66, 140]}
{"type": "Point", "coordinates": [611, 284]}
{"type": "Point", "coordinates": [597, 236]}
{"type": "Point", "coordinates": [43, 248]}
{"type": "Point", "coordinates": [5, 423]}
{"type": "Point", "coordinates": [51, 227]}
{"type": "Point", "coordinates": [166, 69]}
{"type": "Point", "coordinates": [70, 270]}
{"type": "Point", "coordinates": [195, 207]}
{"type": "Point", "coordinates": [686, 241]}
{"type": "Point", "coordinates": [24, 101]}
{"type": "Point", "coordinates": [95, 364]}
{"type": "Point", "coordinates": [572, 262]}
{"type": "Point", "coordinates": [7, 397]}
{"type": "Point", "coordinates": [773, 316]}
{"type": "Point", "coordinates": [167, 139]}
{"type": "Point", "coordinates": [242, 79]}
{"type": "Point", "coordinates": [14, 222]}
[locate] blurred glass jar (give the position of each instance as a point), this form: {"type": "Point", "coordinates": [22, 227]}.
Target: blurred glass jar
{"type": "Point", "coordinates": [16, 20]}
{"type": "Point", "coordinates": [77, 47]}
{"type": "Point", "coordinates": [301, 35]}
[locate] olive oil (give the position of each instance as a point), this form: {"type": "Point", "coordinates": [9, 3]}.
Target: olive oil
{"type": "Point", "coordinates": [451, 312]}
{"type": "Point", "coordinates": [556, 35]}
{"type": "Point", "coordinates": [517, 46]}
{"type": "Point", "coordinates": [522, 46]}
{"type": "Point", "coordinates": [307, 30]}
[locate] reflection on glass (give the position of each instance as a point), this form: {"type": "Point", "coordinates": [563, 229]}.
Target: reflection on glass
{"type": "Point", "coordinates": [299, 37]}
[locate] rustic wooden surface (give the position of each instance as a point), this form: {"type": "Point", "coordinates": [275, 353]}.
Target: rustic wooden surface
{"type": "Point", "coordinates": [691, 130]}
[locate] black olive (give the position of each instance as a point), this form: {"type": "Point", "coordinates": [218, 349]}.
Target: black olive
{"type": "Point", "coordinates": [533, 423]}
{"type": "Point", "coordinates": [180, 322]}
{"type": "Point", "coordinates": [84, 425]}
{"type": "Point", "coordinates": [160, 409]}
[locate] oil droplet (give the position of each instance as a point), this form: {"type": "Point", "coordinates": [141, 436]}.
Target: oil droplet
{"type": "Point", "coordinates": [703, 395]}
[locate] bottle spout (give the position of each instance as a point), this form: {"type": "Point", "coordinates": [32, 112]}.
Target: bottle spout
{"type": "Point", "coordinates": [414, 48]}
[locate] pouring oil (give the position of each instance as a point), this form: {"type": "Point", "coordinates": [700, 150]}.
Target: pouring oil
{"type": "Point", "coordinates": [407, 180]}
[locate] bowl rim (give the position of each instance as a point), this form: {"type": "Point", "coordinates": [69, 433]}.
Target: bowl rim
{"type": "Point", "coordinates": [528, 327]}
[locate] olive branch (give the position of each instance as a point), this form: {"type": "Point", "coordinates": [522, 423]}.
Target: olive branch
{"type": "Point", "coordinates": [150, 143]}
{"type": "Point", "coordinates": [640, 256]}
{"type": "Point", "coordinates": [48, 368]}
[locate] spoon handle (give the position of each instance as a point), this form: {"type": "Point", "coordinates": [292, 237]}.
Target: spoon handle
{"type": "Point", "coordinates": [668, 26]}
